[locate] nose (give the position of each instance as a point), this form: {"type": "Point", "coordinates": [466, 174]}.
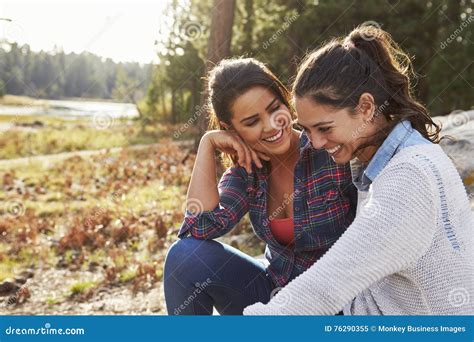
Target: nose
{"type": "Point", "coordinates": [317, 141]}
{"type": "Point", "coordinates": [267, 125]}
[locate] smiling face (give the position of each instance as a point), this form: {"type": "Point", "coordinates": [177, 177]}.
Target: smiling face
{"type": "Point", "coordinates": [339, 131]}
{"type": "Point", "coordinates": [262, 121]}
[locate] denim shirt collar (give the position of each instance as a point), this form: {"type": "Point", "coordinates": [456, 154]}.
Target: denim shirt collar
{"type": "Point", "coordinates": [364, 174]}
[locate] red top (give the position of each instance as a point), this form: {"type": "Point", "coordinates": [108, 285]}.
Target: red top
{"type": "Point", "coordinates": [283, 230]}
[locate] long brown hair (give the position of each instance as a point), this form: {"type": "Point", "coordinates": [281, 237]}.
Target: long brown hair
{"type": "Point", "coordinates": [233, 77]}
{"type": "Point", "coordinates": [366, 61]}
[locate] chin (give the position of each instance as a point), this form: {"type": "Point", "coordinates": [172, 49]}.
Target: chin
{"type": "Point", "coordinates": [341, 161]}
{"type": "Point", "coordinates": [279, 149]}
{"type": "Point", "coordinates": [343, 158]}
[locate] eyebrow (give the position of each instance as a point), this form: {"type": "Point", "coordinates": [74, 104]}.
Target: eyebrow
{"type": "Point", "coordinates": [270, 104]}
{"type": "Point", "coordinates": [318, 124]}
{"type": "Point", "coordinates": [266, 108]}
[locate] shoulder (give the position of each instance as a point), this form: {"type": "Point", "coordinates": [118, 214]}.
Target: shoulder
{"type": "Point", "coordinates": [235, 175]}
{"type": "Point", "coordinates": [238, 179]}
{"type": "Point", "coordinates": [420, 166]}
{"type": "Point", "coordinates": [427, 158]}
{"type": "Point", "coordinates": [420, 152]}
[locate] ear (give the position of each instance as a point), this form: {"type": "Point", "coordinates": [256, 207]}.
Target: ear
{"type": "Point", "coordinates": [366, 106]}
{"type": "Point", "coordinates": [226, 126]}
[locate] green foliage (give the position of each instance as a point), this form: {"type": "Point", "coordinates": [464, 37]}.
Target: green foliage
{"type": "Point", "coordinates": [81, 287]}
{"type": "Point", "coordinates": [64, 135]}
{"type": "Point", "coordinates": [2, 88]}
{"type": "Point", "coordinates": [177, 78]}
{"type": "Point", "coordinates": [57, 74]}
{"type": "Point", "coordinates": [280, 33]}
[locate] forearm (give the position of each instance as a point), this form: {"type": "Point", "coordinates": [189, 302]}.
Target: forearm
{"type": "Point", "coordinates": [202, 192]}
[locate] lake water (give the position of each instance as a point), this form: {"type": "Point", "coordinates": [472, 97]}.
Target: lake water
{"type": "Point", "coordinates": [74, 109]}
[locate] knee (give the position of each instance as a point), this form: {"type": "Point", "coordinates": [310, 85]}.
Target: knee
{"type": "Point", "coordinates": [181, 251]}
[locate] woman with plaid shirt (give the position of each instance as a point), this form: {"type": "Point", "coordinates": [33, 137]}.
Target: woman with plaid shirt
{"type": "Point", "coordinates": [298, 200]}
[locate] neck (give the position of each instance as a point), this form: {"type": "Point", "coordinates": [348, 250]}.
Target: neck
{"type": "Point", "coordinates": [290, 158]}
{"type": "Point", "coordinates": [367, 153]}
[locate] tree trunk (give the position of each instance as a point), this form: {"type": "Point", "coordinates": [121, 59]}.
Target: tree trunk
{"type": "Point", "coordinates": [173, 106]}
{"type": "Point", "coordinates": [294, 38]}
{"type": "Point", "coordinates": [248, 26]}
{"type": "Point", "coordinates": [218, 48]}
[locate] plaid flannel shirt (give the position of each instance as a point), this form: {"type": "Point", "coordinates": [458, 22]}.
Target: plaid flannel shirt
{"type": "Point", "coordinates": [324, 205]}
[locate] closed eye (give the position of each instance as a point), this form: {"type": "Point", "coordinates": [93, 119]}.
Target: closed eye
{"type": "Point", "coordinates": [251, 123]}
{"type": "Point", "coordinates": [324, 129]}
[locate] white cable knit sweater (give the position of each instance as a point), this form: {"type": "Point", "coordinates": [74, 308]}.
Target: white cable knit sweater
{"type": "Point", "coordinates": [409, 251]}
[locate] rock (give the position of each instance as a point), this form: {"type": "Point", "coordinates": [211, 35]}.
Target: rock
{"type": "Point", "coordinates": [93, 266]}
{"type": "Point", "coordinates": [62, 263]}
{"type": "Point", "coordinates": [34, 124]}
{"type": "Point", "coordinates": [20, 280]}
{"type": "Point", "coordinates": [100, 307]}
{"type": "Point", "coordinates": [29, 273]}
{"type": "Point", "coordinates": [8, 287]}
{"type": "Point", "coordinates": [459, 125]}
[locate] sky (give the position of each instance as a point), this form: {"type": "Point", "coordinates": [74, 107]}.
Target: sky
{"type": "Point", "coordinates": [122, 30]}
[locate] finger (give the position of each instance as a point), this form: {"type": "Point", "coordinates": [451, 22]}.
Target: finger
{"type": "Point", "coordinates": [240, 153]}
{"type": "Point", "coordinates": [248, 159]}
{"type": "Point", "coordinates": [263, 156]}
{"type": "Point", "coordinates": [256, 159]}
{"type": "Point", "coordinates": [248, 156]}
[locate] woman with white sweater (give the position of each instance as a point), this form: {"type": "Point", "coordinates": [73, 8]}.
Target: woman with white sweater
{"type": "Point", "coordinates": [410, 249]}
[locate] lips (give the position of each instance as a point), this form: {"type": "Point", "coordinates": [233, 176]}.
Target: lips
{"type": "Point", "coordinates": [334, 150]}
{"type": "Point", "coordinates": [275, 137]}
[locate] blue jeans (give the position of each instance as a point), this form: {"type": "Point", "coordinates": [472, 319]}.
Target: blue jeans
{"type": "Point", "coordinates": [202, 274]}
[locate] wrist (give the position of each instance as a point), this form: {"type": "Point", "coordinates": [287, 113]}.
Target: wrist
{"type": "Point", "coordinates": [207, 142]}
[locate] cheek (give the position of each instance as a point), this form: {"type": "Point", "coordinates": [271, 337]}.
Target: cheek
{"type": "Point", "coordinates": [250, 135]}
{"type": "Point", "coordinates": [341, 137]}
